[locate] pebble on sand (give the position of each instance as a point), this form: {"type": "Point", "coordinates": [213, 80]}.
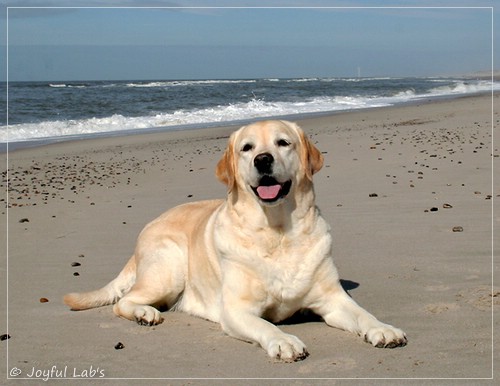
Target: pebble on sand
{"type": "Point", "coordinates": [119, 346]}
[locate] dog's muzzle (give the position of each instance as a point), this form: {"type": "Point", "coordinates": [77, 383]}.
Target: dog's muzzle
{"type": "Point", "coordinates": [269, 189]}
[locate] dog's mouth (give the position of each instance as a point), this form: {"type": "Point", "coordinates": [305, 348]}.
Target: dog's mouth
{"type": "Point", "coordinates": [270, 190]}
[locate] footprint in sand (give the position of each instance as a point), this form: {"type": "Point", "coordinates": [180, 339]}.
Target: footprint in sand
{"type": "Point", "coordinates": [482, 297]}
{"type": "Point", "coordinates": [438, 308]}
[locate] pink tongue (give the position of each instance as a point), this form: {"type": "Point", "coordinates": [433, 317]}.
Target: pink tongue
{"type": "Point", "coordinates": [269, 192]}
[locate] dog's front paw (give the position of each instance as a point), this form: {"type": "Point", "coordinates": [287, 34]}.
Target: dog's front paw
{"type": "Point", "coordinates": [386, 336]}
{"type": "Point", "coordinates": [147, 316]}
{"type": "Point", "coordinates": [287, 348]}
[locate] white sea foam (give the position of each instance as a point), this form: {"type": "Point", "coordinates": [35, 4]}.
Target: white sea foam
{"type": "Point", "coordinates": [63, 85]}
{"type": "Point", "coordinates": [406, 94]}
{"type": "Point", "coordinates": [218, 114]}
{"type": "Point", "coordinates": [255, 108]}
{"type": "Point", "coordinates": [463, 87]}
{"type": "Point", "coordinates": [177, 83]}
{"type": "Point", "coordinates": [361, 79]}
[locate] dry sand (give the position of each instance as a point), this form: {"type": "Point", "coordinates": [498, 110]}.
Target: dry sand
{"type": "Point", "coordinates": [430, 167]}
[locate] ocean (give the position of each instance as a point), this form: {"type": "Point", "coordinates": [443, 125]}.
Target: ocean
{"type": "Point", "coordinates": [55, 111]}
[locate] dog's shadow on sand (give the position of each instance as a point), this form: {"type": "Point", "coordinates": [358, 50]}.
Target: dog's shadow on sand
{"type": "Point", "coordinates": [348, 285]}
{"type": "Point", "coordinates": [307, 316]}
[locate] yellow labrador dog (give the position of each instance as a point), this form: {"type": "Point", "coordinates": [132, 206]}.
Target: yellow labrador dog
{"type": "Point", "coordinates": [254, 258]}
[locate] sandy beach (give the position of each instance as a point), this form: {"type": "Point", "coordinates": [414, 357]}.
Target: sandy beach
{"type": "Point", "coordinates": [407, 190]}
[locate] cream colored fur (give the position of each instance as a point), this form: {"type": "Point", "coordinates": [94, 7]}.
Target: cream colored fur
{"type": "Point", "coordinates": [245, 262]}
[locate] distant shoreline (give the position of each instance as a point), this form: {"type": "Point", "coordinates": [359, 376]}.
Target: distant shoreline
{"type": "Point", "coordinates": [486, 74]}
{"type": "Point", "coordinates": [483, 75]}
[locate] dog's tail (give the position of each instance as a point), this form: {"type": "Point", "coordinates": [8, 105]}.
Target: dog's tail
{"type": "Point", "coordinates": [109, 294]}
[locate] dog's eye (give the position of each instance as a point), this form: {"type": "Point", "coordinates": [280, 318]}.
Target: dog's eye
{"type": "Point", "coordinates": [247, 147]}
{"type": "Point", "coordinates": [283, 143]}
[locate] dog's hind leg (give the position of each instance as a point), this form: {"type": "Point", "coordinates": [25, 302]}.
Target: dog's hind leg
{"type": "Point", "coordinates": [160, 281]}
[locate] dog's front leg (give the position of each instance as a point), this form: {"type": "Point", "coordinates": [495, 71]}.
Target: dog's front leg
{"type": "Point", "coordinates": [241, 319]}
{"type": "Point", "coordinates": [243, 325]}
{"type": "Point", "coordinates": [339, 310]}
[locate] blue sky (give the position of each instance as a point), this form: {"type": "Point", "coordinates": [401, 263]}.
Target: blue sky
{"type": "Point", "coordinates": [199, 43]}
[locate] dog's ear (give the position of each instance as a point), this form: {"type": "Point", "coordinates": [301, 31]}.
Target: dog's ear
{"type": "Point", "coordinates": [225, 167]}
{"type": "Point", "coordinates": [311, 157]}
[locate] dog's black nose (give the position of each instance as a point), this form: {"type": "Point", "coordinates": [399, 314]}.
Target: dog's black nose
{"type": "Point", "coordinates": [263, 163]}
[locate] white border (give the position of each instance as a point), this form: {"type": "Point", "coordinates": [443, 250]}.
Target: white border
{"type": "Point", "coordinates": [260, 7]}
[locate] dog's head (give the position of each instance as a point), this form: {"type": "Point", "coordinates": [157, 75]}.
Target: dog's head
{"type": "Point", "coordinates": [269, 160]}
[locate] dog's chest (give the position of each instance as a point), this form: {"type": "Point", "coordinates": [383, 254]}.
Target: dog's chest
{"type": "Point", "coordinates": [272, 268]}
{"type": "Point", "coordinates": [285, 285]}
{"type": "Point", "coordinates": [285, 266]}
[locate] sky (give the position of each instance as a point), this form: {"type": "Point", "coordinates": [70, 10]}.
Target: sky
{"type": "Point", "coordinates": [57, 40]}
